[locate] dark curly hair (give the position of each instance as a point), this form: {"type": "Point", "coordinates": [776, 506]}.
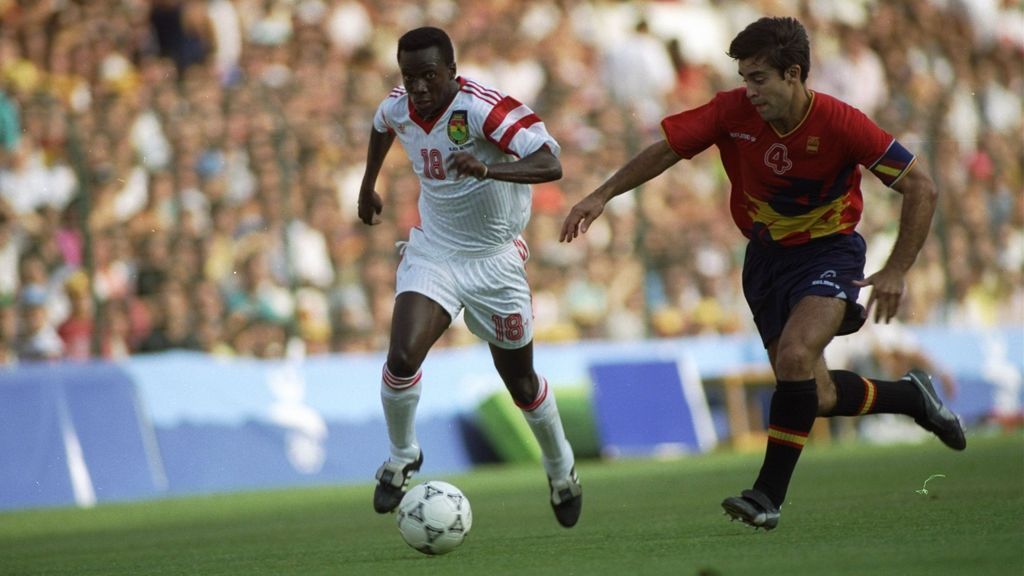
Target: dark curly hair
{"type": "Point", "coordinates": [780, 42]}
{"type": "Point", "coordinates": [427, 37]}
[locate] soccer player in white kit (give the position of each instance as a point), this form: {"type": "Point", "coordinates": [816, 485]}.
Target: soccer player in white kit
{"type": "Point", "coordinates": [476, 152]}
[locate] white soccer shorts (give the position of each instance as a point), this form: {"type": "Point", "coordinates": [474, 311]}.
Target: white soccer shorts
{"type": "Point", "coordinates": [492, 290]}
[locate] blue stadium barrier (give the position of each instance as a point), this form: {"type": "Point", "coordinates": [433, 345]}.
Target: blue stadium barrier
{"type": "Point", "coordinates": [248, 424]}
{"type": "Point", "coordinates": [33, 463]}
{"type": "Point", "coordinates": [650, 408]}
{"type": "Point", "coordinates": [185, 423]}
{"type": "Point", "coordinates": [72, 434]}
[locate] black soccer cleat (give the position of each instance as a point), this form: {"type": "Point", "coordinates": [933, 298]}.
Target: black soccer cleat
{"type": "Point", "coordinates": [937, 419]}
{"type": "Point", "coordinates": [753, 508]}
{"type": "Point", "coordinates": [567, 499]}
{"type": "Point", "coordinates": [392, 479]}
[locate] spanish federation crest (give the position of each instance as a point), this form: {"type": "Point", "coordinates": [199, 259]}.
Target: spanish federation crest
{"type": "Point", "coordinates": [458, 127]}
{"type": "Point", "coordinates": [812, 144]}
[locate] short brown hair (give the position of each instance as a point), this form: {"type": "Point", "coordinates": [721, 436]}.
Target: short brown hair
{"type": "Point", "coordinates": [780, 42]}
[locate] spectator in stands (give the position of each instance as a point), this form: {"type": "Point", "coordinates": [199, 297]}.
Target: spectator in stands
{"type": "Point", "coordinates": [97, 124]}
{"type": "Point", "coordinates": [76, 330]}
{"type": "Point", "coordinates": [639, 75]}
{"type": "Point", "coordinates": [172, 322]}
{"type": "Point", "coordinates": [8, 331]}
{"type": "Point", "coordinates": [115, 331]}
{"type": "Point", "coordinates": [39, 339]}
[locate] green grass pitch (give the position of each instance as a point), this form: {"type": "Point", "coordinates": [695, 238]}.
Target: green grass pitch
{"type": "Point", "coordinates": [853, 510]}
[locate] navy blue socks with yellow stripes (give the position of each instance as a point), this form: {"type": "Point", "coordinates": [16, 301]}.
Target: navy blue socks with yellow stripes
{"type": "Point", "coordinates": [794, 407]}
{"type": "Point", "coordinates": [856, 396]}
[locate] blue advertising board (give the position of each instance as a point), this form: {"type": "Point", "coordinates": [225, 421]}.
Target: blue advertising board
{"type": "Point", "coordinates": [185, 423]}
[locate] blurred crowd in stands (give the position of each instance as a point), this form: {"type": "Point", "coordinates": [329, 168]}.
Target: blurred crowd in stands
{"type": "Point", "coordinates": [182, 174]}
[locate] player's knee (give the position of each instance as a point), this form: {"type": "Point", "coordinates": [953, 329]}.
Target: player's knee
{"type": "Point", "coordinates": [403, 364]}
{"type": "Point", "coordinates": [524, 389]}
{"type": "Point", "coordinates": [795, 359]}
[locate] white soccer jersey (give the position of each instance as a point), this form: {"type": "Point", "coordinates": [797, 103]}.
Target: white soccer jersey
{"type": "Point", "coordinates": [465, 214]}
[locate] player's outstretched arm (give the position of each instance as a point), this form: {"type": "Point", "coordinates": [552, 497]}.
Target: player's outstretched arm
{"type": "Point", "coordinates": [370, 203]}
{"type": "Point", "coordinates": [649, 163]}
{"type": "Point", "coordinates": [540, 166]}
{"type": "Point", "coordinates": [919, 199]}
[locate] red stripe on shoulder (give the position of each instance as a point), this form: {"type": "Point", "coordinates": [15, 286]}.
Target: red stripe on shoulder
{"type": "Point", "coordinates": [484, 90]}
{"type": "Point", "coordinates": [498, 114]}
{"type": "Point", "coordinates": [524, 122]}
{"type": "Point", "coordinates": [491, 101]}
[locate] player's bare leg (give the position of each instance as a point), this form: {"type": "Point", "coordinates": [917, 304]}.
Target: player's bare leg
{"type": "Point", "coordinates": [416, 325]}
{"type": "Point", "coordinates": [796, 356]}
{"type": "Point", "coordinates": [531, 393]}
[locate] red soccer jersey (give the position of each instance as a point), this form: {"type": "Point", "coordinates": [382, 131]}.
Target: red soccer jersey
{"type": "Point", "coordinates": [790, 188]}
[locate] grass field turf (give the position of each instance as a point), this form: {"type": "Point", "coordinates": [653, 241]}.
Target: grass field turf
{"type": "Point", "coordinates": [852, 510]}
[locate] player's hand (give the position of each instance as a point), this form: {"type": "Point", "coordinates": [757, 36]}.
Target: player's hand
{"type": "Point", "coordinates": [886, 293]}
{"type": "Point", "coordinates": [580, 217]}
{"type": "Point", "coordinates": [465, 164]}
{"type": "Point", "coordinates": [370, 207]}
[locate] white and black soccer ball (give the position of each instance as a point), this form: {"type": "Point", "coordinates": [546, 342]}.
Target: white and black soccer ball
{"type": "Point", "coordinates": [434, 517]}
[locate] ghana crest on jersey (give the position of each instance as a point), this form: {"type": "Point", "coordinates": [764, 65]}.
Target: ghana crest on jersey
{"type": "Point", "coordinates": [457, 213]}
{"type": "Point", "coordinates": [458, 127]}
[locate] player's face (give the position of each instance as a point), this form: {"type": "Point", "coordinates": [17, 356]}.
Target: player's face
{"type": "Point", "coordinates": [771, 93]}
{"type": "Point", "coordinates": [427, 79]}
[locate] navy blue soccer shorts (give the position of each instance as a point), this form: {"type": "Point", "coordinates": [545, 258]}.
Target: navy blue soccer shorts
{"type": "Point", "coordinates": [775, 279]}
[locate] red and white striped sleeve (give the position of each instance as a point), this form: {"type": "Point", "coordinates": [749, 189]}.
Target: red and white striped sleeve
{"type": "Point", "coordinates": [508, 123]}
{"type": "Point", "coordinates": [381, 121]}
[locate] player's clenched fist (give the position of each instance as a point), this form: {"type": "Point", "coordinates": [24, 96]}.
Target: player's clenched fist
{"type": "Point", "coordinates": [370, 206]}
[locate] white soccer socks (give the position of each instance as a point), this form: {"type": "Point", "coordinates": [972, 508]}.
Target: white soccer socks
{"type": "Point", "coordinates": [546, 424]}
{"type": "Point", "coordinates": [400, 396]}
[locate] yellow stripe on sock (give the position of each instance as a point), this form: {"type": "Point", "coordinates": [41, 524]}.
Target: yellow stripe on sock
{"type": "Point", "coordinates": [870, 393]}
{"type": "Point", "coordinates": [792, 438]}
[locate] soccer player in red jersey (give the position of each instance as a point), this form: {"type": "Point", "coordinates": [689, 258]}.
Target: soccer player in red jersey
{"type": "Point", "coordinates": [793, 159]}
